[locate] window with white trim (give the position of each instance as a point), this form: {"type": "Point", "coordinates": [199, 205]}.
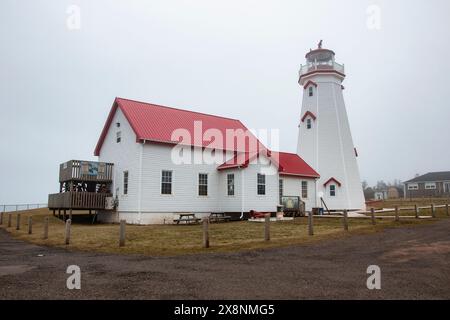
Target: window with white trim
{"type": "Point", "coordinates": [414, 186]}
{"type": "Point", "coordinates": [308, 123]}
{"type": "Point", "coordinates": [230, 184]}
{"type": "Point", "coordinates": [304, 189]}
{"type": "Point", "coordinates": [332, 190]}
{"type": "Point", "coordinates": [125, 182]}
{"type": "Point", "coordinates": [261, 179]}
{"type": "Point", "coordinates": [166, 182]}
{"type": "Point", "coordinates": [118, 136]}
{"type": "Point", "coordinates": [202, 184]}
{"type": "Point", "coordinates": [430, 185]}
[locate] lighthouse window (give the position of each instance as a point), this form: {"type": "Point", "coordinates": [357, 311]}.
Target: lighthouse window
{"type": "Point", "coordinates": [308, 123]}
{"type": "Point", "coordinates": [310, 91]}
{"type": "Point", "coordinates": [332, 190]}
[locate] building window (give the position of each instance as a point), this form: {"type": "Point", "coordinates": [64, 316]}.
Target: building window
{"type": "Point", "coordinates": [118, 124]}
{"type": "Point", "coordinates": [166, 182]}
{"type": "Point", "coordinates": [230, 184]}
{"type": "Point", "coordinates": [304, 189]}
{"type": "Point", "coordinates": [125, 182]}
{"type": "Point", "coordinates": [332, 190]}
{"type": "Point", "coordinates": [261, 184]}
{"type": "Point", "coordinates": [118, 136]}
{"type": "Point", "coordinates": [413, 187]}
{"type": "Point", "coordinates": [280, 188]}
{"type": "Point", "coordinates": [430, 185]}
{"type": "Point", "coordinates": [310, 91]}
{"type": "Point", "coordinates": [202, 184]}
{"type": "Point", "coordinates": [308, 123]}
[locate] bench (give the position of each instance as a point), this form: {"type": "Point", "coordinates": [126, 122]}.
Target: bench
{"type": "Point", "coordinates": [218, 217]}
{"type": "Point", "coordinates": [187, 218]}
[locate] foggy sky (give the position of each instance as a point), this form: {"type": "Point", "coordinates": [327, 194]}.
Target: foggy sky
{"type": "Point", "coordinates": [238, 59]}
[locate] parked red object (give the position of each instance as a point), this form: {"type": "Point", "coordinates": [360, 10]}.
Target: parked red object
{"type": "Point", "coordinates": [256, 214]}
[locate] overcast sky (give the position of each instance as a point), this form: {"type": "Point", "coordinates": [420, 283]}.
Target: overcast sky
{"type": "Point", "coordinates": [238, 59]}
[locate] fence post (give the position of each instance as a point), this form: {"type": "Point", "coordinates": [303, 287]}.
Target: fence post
{"type": "Point", "coordinates": [45, 228]}
{"type": "Point", "coordinates": [310, 224]}
{"type": "Point", "coordinates": [18, 221]}
{"type": "Point", "coordinates": [67, 233]}
{"type": "Point", "coordinates": [345, 220]}
{"type": "Point", "coordinates": [446, 209]}
{"type": "Point", "coordinates": [205, 233]}
{"type": "Point", "coordinates": [397, 218]}
{"type": "Point", "coordinates": [372, 214]}
{"type": "Point", "coordinates": [30, 225]}
{"type": "Point", "coordinates": [416, 211]}
{"type": "Point", "coordinates": [267, 227]}
{"type": "Point", "coordinates": [1, 217]}
{"type": "Point", "coordinates": [122, 233]}
{"type": "Point", "coordinates": [433, 211]}
{"type": "Point", "coordinates": [9, 220]}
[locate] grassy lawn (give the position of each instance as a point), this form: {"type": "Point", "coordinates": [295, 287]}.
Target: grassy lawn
{"type": "Point", "coordinates": [164, 240]}
{"type": "Point", "coordinates": [421, 202]}
{"type": "Point", "coordinates": [409, 203]}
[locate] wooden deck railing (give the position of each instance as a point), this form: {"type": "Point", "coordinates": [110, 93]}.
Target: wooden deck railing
{"type": "Point", "coordinates": [78, 200]}
{"type": "Point", "coordinates": [86, 171]}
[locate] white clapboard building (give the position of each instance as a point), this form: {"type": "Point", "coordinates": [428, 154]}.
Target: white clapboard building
{"type": "Point", "coordinates": [325, 141]}
{"type": "Point", "coordinates": [169, 161]}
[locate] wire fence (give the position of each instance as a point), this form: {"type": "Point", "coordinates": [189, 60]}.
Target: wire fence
{"type": "Point", "coordinates": [21, 207]}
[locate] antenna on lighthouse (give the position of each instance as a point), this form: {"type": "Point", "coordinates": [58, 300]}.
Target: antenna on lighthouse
{"type": "Point", "coordinates": [320, 44]}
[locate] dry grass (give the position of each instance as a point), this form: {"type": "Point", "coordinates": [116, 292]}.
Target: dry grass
{"type": "Point", "coordinates": [163, 240]}
{"type": "Point", "coordinates": [409, 203]}
{"type": "Point", "coordinates": [421, 202]}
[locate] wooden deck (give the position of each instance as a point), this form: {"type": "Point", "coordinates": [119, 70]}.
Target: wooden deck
{"type": "Point", "coordinates": [78, 200]}
{"type": "Point", "coordinates": [78, 170]}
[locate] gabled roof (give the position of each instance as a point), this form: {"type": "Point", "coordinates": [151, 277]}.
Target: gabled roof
{"type": "Point", "coordinates": [289, 164]}
{"type": "Point", "coordinates": [308, 113]}
{"type": "Point", "coordinates": [308, 83]}
{"type": "Point", "coordinates": [332, 179]}
{"type": "Point", "coordinates": [432, 176]}
{"type": "Point", "coordinates": [292, 164]}
{"type": "Point", "coordinates": [156, 123]}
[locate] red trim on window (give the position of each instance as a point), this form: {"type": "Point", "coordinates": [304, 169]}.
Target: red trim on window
{"type": "Point", "coordinates": [308, 113]}
{"type": "Point", "coordinates": [332, 180]}
{"type": "Point", "coordinates": [308, 83]}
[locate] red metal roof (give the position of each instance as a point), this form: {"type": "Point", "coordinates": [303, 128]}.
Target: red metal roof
{"type": "Point", "coordinates": [156, 123]}
{"type": "Point", "coordinates": [288, 164]}
{"type": "Point", "coordinates": [291, 164]}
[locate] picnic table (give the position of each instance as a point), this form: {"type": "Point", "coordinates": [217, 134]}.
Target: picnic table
{"type": "Point", "coordinates": [187, 218]}
{"type": "Point", "coordinates": [218, 217]}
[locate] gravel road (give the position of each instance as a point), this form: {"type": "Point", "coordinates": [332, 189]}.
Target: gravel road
{"type": "Point", "coordinates": [414, 262]}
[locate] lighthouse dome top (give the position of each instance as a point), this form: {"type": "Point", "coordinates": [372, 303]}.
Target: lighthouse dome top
{"type": "Point", "coordinates": [320, 61]}
{"type": "Point", "coordinates": [320, 54]}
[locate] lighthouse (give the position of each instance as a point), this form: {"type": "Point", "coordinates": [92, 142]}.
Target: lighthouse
{"type": "Point", "coordinates": [324, 139]}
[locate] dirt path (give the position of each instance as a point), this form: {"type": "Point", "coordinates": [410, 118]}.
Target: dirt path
{"type": "Point", "coordinates": [414, 262]}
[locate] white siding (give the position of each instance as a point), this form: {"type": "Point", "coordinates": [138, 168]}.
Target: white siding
{"type": "Point", "coordinates": [125, 156]}
{"type": "Point", "coordinates": [328, 146]}
{"type": "Point", "coordinates": [144, 202]}
{"type": "Point", "coordinates": [292, 186]}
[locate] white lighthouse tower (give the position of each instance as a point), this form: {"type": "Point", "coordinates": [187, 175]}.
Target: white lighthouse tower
{"type": "Point", "coordinates": [324, 139]}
